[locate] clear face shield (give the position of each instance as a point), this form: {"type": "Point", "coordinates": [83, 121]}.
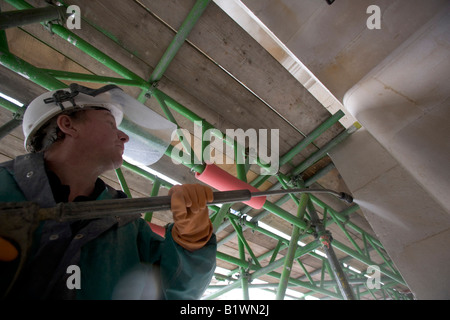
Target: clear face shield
{"type": "Point", "coordinates": [150, 134]}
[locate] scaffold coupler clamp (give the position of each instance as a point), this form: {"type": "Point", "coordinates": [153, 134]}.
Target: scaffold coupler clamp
{"type": "Point", "coordinates": [325, 239]}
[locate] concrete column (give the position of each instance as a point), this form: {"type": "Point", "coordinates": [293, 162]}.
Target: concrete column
{"type": "Point", "coordinates": [405, 104]}
{"type": "Point", "coordinates": [398, 166]}
{"type": "Point", "coordinates": [413, 227]}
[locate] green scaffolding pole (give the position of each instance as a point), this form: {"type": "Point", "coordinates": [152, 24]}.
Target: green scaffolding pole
{"type": "Point", "coordinates": [179, 39]}
{"type": "Point", "coordinates": [289, 259]}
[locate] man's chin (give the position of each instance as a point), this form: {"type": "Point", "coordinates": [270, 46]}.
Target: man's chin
{"type": "Point", "coordinates": [116, 163]}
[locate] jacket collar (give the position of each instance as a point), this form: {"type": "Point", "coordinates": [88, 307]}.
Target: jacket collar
{"type": "Point", "coordinates": [30, 175]}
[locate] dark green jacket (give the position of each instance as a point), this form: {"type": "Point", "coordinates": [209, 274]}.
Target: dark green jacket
{"type": "Point", "coordinates": [118, 258]}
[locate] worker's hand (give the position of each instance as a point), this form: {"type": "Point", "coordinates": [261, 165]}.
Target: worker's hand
{"type": "Point", "coordinates": [7, 250]}
{"type": "Point", "coordinates": [192, 227]}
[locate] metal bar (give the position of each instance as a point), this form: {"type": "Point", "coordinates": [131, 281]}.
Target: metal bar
{"type": "Point", "coordinates": [320, 153]}
{"type": "Point", "coordinates": [9, 126]}
{"type": "Point", "coordinates": [325, 215]}
{"type": "Point", "coordinates": [302, 144]}
{"type": "Point", "coordinates": [322, 273]}
{"type": "Point", "coordinates": [389, 263]}
{"type": "Point", "coordinates": [239, 157]}
{"type": "Point", "coordinates": [163, 203]}
{"type": "Point", "coordinates": [181, 137]}
{"type": "Point", "coordinates": [347, 212]}
{"type": "Point", "coordinates": [275, 251]}
{"type": "Point", "coordinates": [327, 265]}
{"type": "Point", "coordinates": [258, 285]}
{"type": "Point", "coordinates": [324, 151]}
{"type": "Point", "coordinates": [234, 260]}
{"type": "Point", "coordinates": [93, 78]}
{"type": "Point", "coordinates": [341, 218]}
{"type": "Point", "coordinates": [179, 108]}
{"type": "Point", "coordinates": [263, 213]}
{"type": "Point", "coordinates": [94, 52]}
{"type": "Point", "coordinates": [308, 286]}
{"type": "Point", "coordinates": [255, 227]}
{"type": "Point", "coordinates": [319, 174]}
{"type": "Point", "coordinates": [367, 261]}
{"type": "Point", "coordinates": [244, 242]}
{"type": "Point", "coordinates": [220, 216]}
{"type": "Point", "coordinates": [94, 209]}
{"type": "Point", "coordinates": [3, 40]}
{"type": "Point", "coordinates": [145, 174]}
{"type": "Point", "coordinates": [174, 155]}
{"type": "Point", "coordinates": [164, 107]}
{"type": "Point", "coordinates": [12, 19]}
{"type": "Point", "coordinates": [82, 44]}
{"type": "Point", "coordinates": [341, 195]}
{"type": "Point", "coordinates": [204, 158]}
{"type": "Point", "coordinates": [326, 283]}
{"type": "Point", "coordinates": [278, 263]}
{"type": "Point", "coordinates": [155, 190]}
{"type": "Point", "coordinates": [358, 293]}
{"type": "Point", "coordinates": [311, 137]}
{"type": "Point", "coordinates": [260, 258]}
{"type": "Point", "coordinates": [123, 182]}
{"type": "Point", "coordinates": [29, 71]}
{"type": "Point", "coordinates": [8, 105]}
{"type": "Point", "coordinates": [243, 272]}
{"type": "Point", "coordinates": [341, 277]}
{"type": "Point", "coordinates": [366, 247]}
{"type": "Point", "coordinates": [292, 243]}
{"type": "Point", "coordinates": [269, 206]}
{"type": "Point", "coordinates": [268, 270]}
{"type": "Point", "coordinates": [223, 290]}
{"type": "Point", "coordinates": [284, 242]}
{"type": "Point", "coordinates": [179, 39]}
{"type": "Point", "coordinates": [285, 198]}
{"type": "Point", "coordinates": [289, 259]}
{"type": "Point", "coordinates": [345, 231]}
{"type": "Point", "coordinates": [305, 271]}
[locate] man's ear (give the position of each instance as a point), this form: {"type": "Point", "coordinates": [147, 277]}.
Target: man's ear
{"type": "Point", "coordinates": [67, 125]}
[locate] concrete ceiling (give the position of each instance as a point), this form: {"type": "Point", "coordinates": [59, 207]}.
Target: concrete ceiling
{"type": "Point", "coordinates": [260, 64]}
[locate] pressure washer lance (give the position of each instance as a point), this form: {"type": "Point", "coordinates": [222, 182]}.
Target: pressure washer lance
{"type": "Point", "coordinates": [71, 211]}
{"type": "Point", "coordinates": [19, 220]}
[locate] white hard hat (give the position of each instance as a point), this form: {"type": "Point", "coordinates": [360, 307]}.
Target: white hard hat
{"type": "Point", "coordinates": [150, 133]}
{"type": "Point", "coordinates": [47, 105]}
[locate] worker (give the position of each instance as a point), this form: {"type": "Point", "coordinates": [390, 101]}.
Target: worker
{"type": "Point", "coordinates": [72, 137]}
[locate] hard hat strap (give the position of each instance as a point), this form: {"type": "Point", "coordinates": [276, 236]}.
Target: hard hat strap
{"type": "Point", "coordinates": [61, 96]}
{"type": "Point", "coordinates": [75, 87]}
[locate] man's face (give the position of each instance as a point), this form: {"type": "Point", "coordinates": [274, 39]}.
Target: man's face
{"type": "Point", "coordinates": [101, 140]}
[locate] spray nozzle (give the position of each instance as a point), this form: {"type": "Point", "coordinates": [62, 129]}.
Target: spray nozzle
{"type": "Point", "coordinates": [346, 197]}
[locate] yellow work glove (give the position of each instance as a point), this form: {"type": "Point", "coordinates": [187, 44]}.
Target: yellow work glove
{"type": "Point", "coordinates": [7, 251]}
{"type": "Point", "coordinates": [192, 227]}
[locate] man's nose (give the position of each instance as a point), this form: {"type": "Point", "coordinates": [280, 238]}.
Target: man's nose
{"type": "Point", "coordinates": [123, 136]}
